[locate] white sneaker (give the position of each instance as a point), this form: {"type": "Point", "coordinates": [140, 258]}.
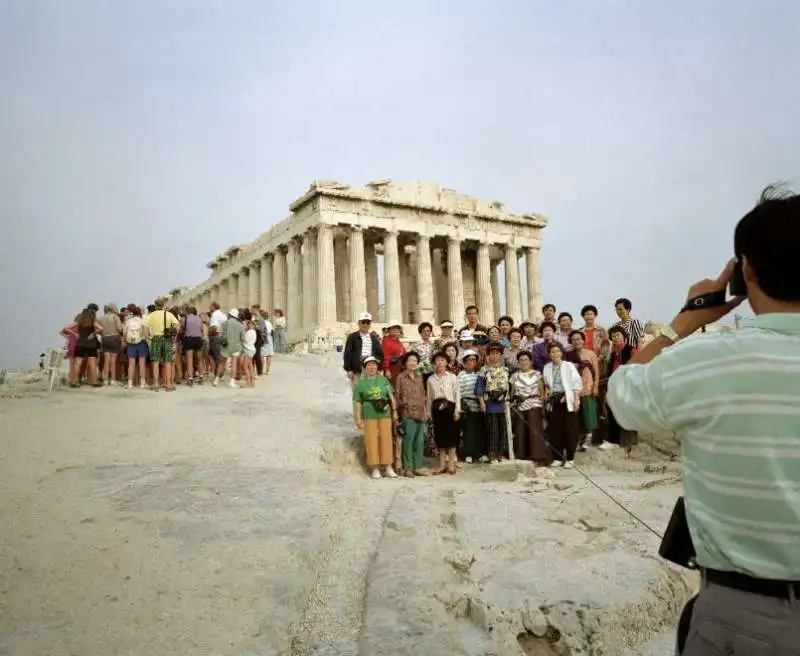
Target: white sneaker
{"type": "Point", "coordinates": [142, 385]}
{"type": "Point", "coordinates": [556, 463]}
{"type": "Point", "coordinates": [608, 446]}
{"type": "Point", "coordinates": [130, 384]}
{"type": "Point", "coordinates": [484, 459]}
{"type": "Point", "coordinates": [215, 382]}
{"type": "Point", "coordinates": [389, 472]}
{"type": "Point", "coordinates": [495, 462]}
{"type": "Point", "coordinates": [468, 460]}
{"type": "Point", "coordinates": [376, 474]}
{"type": "Point", "coordinates": [569, 464]}
{"type": "Point", "coordinates": [233, 385]}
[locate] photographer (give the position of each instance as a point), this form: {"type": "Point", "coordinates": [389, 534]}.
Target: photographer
{"type": "Point", "coordinates": [734, 401]}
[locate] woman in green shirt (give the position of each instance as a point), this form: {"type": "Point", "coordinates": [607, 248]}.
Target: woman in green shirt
{"type": "Point", "coordinates": [375, 409]}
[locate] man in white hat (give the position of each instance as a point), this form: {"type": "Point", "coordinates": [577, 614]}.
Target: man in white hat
{"type": "Point", "coordinates": [361, 344]}
{"type": "Point", "coordinates": [447, 336]}
{"type": "Point", "coordinates": [466, 342]}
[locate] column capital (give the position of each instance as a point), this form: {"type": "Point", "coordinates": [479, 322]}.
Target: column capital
{"type": "Point", "coordinates": [356, 228]}
{"type": "Point", "coordinates": [266, 257]}
{"type": "Point", "coordinates": [454, 240]}
{"type": "Point", "coordinates": [256, 264]}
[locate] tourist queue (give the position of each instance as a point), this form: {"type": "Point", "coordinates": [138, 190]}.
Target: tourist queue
{"type": "Point", "coordinates": [463, 393]}
{"type": "Point", "coordinates": [176, 345]}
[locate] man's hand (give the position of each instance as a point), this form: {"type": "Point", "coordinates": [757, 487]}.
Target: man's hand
{"type": "Point", "coordinates": [689, 322]}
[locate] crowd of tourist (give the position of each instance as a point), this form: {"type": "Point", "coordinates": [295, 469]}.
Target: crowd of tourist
{"type": "Point", "coordinates": [463, 393]}
{"type": "Point", "coordinates": [172, 345]}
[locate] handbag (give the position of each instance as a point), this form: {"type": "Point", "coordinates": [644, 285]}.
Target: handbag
{"type": "Point", "coordinates": [380, 405]}
{"type": "Point", "coordinates": [443, 404]}
{"type": "Point", "coordinates": [169, 332]}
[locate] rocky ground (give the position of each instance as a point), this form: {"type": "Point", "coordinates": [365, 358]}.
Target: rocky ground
{"type": "Point", "coordinates": [239, 522]}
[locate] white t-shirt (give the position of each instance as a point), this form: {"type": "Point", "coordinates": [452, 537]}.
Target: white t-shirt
{"type": "Point", "coordinates": [366, 345]}
{"type": "Point", "coordinates": [268, 324]}
{"type": "Point", "coordinates": [249, 342]}
{"type": "Point", "coordinates": [218, 317]}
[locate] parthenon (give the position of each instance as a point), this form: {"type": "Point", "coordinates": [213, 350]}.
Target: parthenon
{"type": "Point", "coordinates": [440, 249]}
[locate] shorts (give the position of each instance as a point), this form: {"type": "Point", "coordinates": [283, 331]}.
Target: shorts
{"type": "Point", "coordinates": [192, 343]}
{"type": "Point", "coordinates": [249, 353]}
{"type": "Point", "coordinates": [215, 347]}
{"type": "Point", "coordinates": [86, 351]}
{"type": "Point", "coordinates": [161, 349]}
{"type": "Point", "coordinates": [112, 344]}
{"type": "Point", "coordinates": [136, 351]}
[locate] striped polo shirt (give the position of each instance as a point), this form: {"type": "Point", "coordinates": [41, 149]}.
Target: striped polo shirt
{"type": "Point", "coordinates": [634, 331]}
{"type": "Point", "coordinates": [733, 399]}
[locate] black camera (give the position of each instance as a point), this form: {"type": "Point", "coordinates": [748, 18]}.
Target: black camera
{"type": "Point", "coordinates": [736, 285]}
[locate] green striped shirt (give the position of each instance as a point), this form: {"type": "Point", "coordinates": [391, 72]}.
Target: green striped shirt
{"type": "Point", "coordinates": [734, 401]}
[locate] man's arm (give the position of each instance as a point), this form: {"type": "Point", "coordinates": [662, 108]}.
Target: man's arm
{"type": "Point", "coordinates": [636, 395]}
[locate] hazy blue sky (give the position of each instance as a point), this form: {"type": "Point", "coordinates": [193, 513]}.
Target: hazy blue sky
{"type": "Point", "coordinates": [141, 138]}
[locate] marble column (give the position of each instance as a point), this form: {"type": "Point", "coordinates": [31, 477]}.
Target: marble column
{"type": "Point", "coordinates": [413, 308]}
{"type": "Point", "coordinates": [391, 277]}
{"type": "Point", "coordinates": [309, 255]}
{"type": "Point", "coordinates": [326, 277]}
{"type": "Point", "coordinates": [358, 279]}
{"type": "Point", "coordinates": [424, 280]}
{"type": "Point", "coordinates": [342, 267]}
{"type": "Point", "coordinates": [513, 308]}
{"type": "Point", "coordinates": [404, 284]}
{"type": "Point", "coordinates": [279, 279]}
{"type": "Point", "coordinates": [483, 285]}
{"type": "Point", "coordinates": [495, 283]}
{"type": "Point", "coordinates": [440, 286]}
{"type": "Point", "coordinates": [266, 283]}
{"type": "Point", "coordinates": [254, 280]}
{"type": "Point", "coordinates": [468, 265]}
{"type": "Point", "coordinates": [534, 284]}
{"type": "Point", "coordinates": [455, 281]}
{"type": "Point", "coordinates": [371, 272]}
{"type": "Point", "coordinates": [244, 285]}
{"type": "Point", "coordinates": [294, 281]}
{"type": "Point", "coordinates": [233, 291]}
{"type": "Point", "coordinates": [216, 295]}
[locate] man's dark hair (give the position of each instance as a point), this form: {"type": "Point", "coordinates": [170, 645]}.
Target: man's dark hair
{"type": "Point", "coordinates": [94, 307]}
{"type": "Point", "coordinates": [525, 324]}
{"type": "Point", "coordinates": [565, 314]}
{"type": "Point", "coordinates": [471, 307]}
{"type": "Point", "coordinates": [548, 305]}
{"type": "Point", "coordinates": [505, 317]}
{"type": "Point", "coordinates": [589, 308]}
{"type": "Point", "coordinates": [767, 237]}
{"type": "Point", "coordinates": [547, 324]}
{"type": "Point", "coordinates": [624, 302]}
{"type": "Point", "coordinates": [423, 326]}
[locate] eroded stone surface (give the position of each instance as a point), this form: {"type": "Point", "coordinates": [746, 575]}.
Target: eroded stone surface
{"type": "Point", "coordinates": [238, 522]}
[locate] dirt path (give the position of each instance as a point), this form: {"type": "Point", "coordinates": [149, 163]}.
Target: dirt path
{"type": "Point", "coordinates": [237, 522]}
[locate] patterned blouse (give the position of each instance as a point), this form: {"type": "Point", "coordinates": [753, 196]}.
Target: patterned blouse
{"type": "Point", "coordinates": [526, 386]}
{"type": "Point", "coordinates": [586, 367]}
{"type": "Point", "coordinates": [410, 396]}
{"type": "Point", "coordinates": [425, 351]}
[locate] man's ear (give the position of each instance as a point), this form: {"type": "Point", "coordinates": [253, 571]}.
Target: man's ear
{"type": "Point", "coordinates": [748, 271]}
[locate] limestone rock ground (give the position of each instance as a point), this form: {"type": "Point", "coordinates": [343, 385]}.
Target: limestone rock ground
{"type": "Point", "coordinates": [238, 523]}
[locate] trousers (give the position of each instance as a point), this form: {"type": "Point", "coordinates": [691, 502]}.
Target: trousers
{"type": "Point", "coordinates": [378, 442]}
{"type": "Point", "coordinates": [736, 623]}
{"type": "Point", "coordinates": [416, 432]}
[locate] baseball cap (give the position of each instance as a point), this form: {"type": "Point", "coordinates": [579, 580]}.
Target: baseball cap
{"type": "Point", "coordinates": [364, 316]}
{"type": "Point", "coordinates": [466, 336]}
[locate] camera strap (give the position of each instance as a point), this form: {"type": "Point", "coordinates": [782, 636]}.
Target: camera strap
{"type": "Point", "coordinates": [594, 484]}
{"type": "Point", "coordinates": [709, 300]}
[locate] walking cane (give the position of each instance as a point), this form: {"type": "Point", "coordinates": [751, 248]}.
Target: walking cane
{"type": "Point", "coordinates": [510, 433]}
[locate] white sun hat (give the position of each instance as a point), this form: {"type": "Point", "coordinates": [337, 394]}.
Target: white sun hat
{"type": "Point", "coordinates": [364, 316]}
{"type": "Point", "coordinates": [393, 324]}
{"type": "Point", "coordinates": [466, 336]}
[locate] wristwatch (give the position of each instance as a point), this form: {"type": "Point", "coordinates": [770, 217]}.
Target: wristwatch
{"type": "Point", "coordinates": [669, 332]}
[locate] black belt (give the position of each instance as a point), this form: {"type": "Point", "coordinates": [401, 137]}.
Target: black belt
{"type": "Point", "coordinates": [744, 583]}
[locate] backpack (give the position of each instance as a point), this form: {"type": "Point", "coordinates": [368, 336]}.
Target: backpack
{"type": "Point", "coordinates": [134, 330]}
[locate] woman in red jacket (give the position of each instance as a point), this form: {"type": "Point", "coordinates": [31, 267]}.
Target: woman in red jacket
{"type": "Point", "coordinates": [393, 351]}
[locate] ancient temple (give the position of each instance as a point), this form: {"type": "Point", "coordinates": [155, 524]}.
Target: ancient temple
{"type": "Point", "coordinates": [440, 252]}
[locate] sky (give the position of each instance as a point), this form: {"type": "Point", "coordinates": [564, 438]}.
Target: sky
{"type": "Point", "coordinates": [140, 139]}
